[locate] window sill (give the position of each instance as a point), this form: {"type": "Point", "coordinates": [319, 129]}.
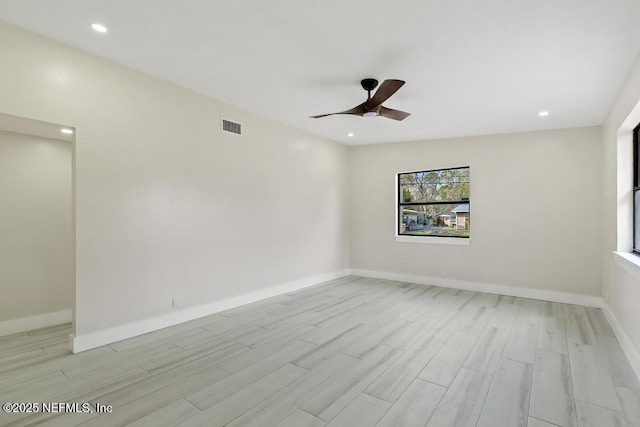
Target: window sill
{"type": "Point", "coordinates": [434, 240]}
{"type": "Point", "coordinates": [629, 261]}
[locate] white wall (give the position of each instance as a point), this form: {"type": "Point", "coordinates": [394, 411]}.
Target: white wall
{"type": "Point", "coordinates": [36, 262]}
{"type": "Point", "coordinates": [621, 285]}
{"type": "Point", "coordinates": [535, 210]}
{"type": "Point", "coordinates": [167, 205]}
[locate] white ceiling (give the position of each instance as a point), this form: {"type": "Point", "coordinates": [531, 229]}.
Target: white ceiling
{"type": "Point", "coordinates": [472, 67]}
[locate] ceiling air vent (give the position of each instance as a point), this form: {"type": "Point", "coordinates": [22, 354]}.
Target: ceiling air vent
{"type": "Point", "coordinates": [232, 127]}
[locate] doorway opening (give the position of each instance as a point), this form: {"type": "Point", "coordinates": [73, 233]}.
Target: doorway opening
{"type": "Point", "coordinates": [37, 225]}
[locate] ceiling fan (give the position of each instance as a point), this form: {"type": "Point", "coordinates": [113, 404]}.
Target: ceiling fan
{"type": "Point", "coordinates": [373, 106]}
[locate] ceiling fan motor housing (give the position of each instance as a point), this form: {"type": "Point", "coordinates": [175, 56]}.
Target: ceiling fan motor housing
{"type": "Point", "coordinates": [369, 84]}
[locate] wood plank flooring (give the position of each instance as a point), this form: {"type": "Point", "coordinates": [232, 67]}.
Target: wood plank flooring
{"type": "Point", "coordinates": [352, 352]}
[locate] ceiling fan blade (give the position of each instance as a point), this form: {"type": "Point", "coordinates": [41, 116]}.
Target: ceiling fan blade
{"type": "Point", "coordinates": [356, 111]}
{"type": "Point", "coordinates": [384, 92]}
{"type": "Point", "coordinates": [393, 114]}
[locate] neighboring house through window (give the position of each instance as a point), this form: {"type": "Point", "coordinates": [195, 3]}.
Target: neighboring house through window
{"type": "Point", "coordinates": [434, 203]}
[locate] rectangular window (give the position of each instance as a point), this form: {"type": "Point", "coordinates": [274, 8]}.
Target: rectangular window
{"type": "Point", "coordinates": [636, 191]}
{"type": "Point", "coordinates": [434, 203]}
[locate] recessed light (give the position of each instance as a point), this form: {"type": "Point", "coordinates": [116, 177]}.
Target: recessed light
{"type": "Point", "coordinates": [66, 131]}
{"type": "Point", "coordinates": [543, 113]}
{"type": "Point", "coordinates": [99, 27]}
{"type": "Point", "coordinates": [350, 134]}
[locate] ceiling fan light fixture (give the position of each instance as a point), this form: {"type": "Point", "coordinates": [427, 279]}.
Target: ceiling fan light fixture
{"type": "Point", "coordinates": [370, 114]}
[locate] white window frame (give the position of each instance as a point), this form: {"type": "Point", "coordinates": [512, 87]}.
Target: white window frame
{"type": "Point", "coordinates": [624, 255]}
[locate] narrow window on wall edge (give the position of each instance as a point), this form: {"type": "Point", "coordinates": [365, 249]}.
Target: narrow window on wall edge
{"type": "Point", "coordinates": [636, 191]}
{"type": "Point", "coordinates": [434, 203]}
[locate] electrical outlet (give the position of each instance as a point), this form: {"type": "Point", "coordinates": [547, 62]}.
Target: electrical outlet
{"type": "Point", "coordinates": [175, 302]}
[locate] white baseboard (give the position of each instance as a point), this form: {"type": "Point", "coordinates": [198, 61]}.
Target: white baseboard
{"type": "Point", "coordinates": [30, 323]}
{"type": "Point", "coordinates": [539, 294]}
{"type": "Point", "coordinates": [95, 339]}
{"type": "Point", "coordinates": [632, 353]}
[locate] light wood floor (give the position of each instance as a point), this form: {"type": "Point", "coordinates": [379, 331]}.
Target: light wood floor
{"type": "Point", "coordinates": [351, 352]}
